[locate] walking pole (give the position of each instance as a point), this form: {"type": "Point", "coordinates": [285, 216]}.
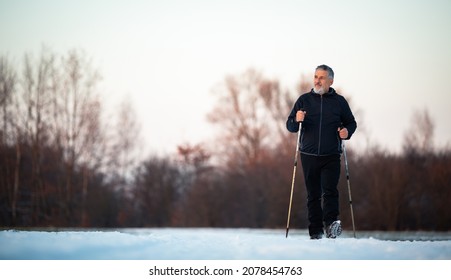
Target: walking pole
{"type": "Point", "coordinates": [294, 176]}
{"type": "Point", "coordinates": [349, 186]}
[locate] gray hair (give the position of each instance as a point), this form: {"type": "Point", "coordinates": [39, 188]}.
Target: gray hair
{"type": "Point", "coordinates": [329, 70]}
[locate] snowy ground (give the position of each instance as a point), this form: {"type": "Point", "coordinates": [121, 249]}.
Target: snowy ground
{"type": "Point", "coordinates": [219, 244]}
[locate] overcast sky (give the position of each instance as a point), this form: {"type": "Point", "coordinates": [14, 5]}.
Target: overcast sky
{"type": "Point", "coordinates": [391, 57]}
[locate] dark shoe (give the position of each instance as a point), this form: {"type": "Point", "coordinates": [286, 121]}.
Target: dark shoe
{"type": "Point", "coordinates": [334, 229]}
{"type": "Point", "coordinates": [316, 235]}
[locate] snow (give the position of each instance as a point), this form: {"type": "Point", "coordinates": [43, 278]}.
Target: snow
{"type": "Point", "coordinates": [219, 244]}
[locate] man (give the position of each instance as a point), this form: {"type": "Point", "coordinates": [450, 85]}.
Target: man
{"type": "Point", "coordinates": [326, 119]}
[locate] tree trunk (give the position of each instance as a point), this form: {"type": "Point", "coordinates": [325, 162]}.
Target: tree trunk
{"type": "Point", "coordinates": [16, 184]}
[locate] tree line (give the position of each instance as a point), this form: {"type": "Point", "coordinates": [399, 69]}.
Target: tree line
{"type": "Point", "coordinates": [64, 164]}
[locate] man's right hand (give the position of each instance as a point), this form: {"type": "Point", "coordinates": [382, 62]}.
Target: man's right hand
{"type": "Point", "coordinates": [300, 115]}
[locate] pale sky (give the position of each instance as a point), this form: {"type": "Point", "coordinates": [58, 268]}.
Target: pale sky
{"type": "Point", "coordinates": [391, 57]}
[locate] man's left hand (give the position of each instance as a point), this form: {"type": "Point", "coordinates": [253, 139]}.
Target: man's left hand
{"type": "Point", "coordinates": [343, 132]}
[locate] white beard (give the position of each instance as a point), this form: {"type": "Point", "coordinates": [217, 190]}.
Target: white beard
{"type": "Point", "coordinates": [319, 90]}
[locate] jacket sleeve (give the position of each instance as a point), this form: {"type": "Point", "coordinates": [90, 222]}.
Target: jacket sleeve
{"type": "Point", "coordinates": [292, 124]}
{"type": "Point", "coordinates": [348, 119]}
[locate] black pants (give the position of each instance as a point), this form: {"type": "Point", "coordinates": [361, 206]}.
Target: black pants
{"type": "Point", "coordinates": [321, 175]}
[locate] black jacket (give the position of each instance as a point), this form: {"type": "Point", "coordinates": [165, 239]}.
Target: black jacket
{"type": "Point", "coordinates": [324, 115]}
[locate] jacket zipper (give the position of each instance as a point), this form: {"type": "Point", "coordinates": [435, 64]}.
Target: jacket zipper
{"type": "Point", "coordinates": [320, 124]}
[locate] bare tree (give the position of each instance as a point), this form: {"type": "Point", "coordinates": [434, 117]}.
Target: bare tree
{"type": "Point", "coordinates": [249, 109]}
{"type": "Point", "coordinates": [61, 109]}
{"type": "Point", "coordinates": [419, 138]}
{"type": "Point", "coordinates": [124, 146]}
{"type": "Point", "coordinates": [80, 126]}
{"type": "Point", "coordinates": [8, 131]}
{"type": "Point", "coordinates": [32, 115]}
{"type": "Point", "coordinates": [252, 112]}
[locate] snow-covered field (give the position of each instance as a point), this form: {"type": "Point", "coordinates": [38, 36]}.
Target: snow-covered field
{"type": "Point", "coordinates": [219, 244]}
{"type": "Point", "coordinates": [231, 253]}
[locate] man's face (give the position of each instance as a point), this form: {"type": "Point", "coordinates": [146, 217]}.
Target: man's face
{"type": "Point", "coordinates": [322, 82]}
